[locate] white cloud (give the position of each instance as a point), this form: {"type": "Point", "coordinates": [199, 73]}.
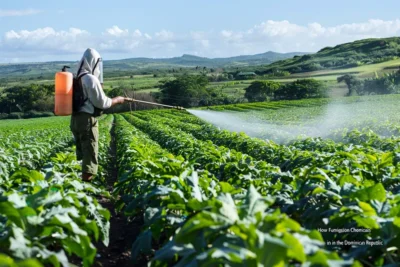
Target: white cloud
{"type": "Point", "coordinates": [17, 13]}
{"type": "Point", "coordinates": [137, 33]}
{"type": "Point", "coordinates": [205, 43]}
{"type": "Point", "coordinates": [226, 34]}
{"type": "Point", "coordinates": [116, 31]}
{"type": "Point", "coordinates": [198, 35]}
{"type": "Point", "coordinates": [232, 37]}
{"type": "Point", "coordinates": [280, 36]}
{"type": "Point", "coordinates": [283, 36]}
{"type": "Point", "coordinates": [46, 40]}
{"type": "Point", "coordinates": [278, 28]}
{"type": "Point", "coordinates": [164, 35]}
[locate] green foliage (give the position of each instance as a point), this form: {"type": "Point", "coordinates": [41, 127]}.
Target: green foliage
{"type": "Point", "coordinates": [260, 207]}
{"type": "Point", "coordinates": [277, 73]}
{"type": "Point", "coordinates": [206, 196]}
{"type": "Point", "coordinates": [185, 90]}
{"type": "Point", "coordinates": [299, 89]}
{"type": "Point", "coordinates": [190, 90]}
{"type": "Point", "coordinates": [260, 91]}
{"type": "Point", "coordinates": [387, 84]}
{"type": "Point", "coordinates": [27, 98]}
{"type": "Point", "coordinates": [46, 212]}
{"type": "Point", "coordinates": [26, 115]}
{"type": "Point", "coordinates": [117, 91]}
{"type": "Point", "coordinates": [6, 261]}
{"type": "Point", "coordinates": [353, 84]}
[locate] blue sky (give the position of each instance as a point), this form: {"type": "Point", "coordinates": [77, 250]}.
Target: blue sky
{"type": "Point", "coordinates": [60, 30]}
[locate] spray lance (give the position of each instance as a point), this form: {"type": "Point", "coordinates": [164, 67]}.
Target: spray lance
{"type": "Point", "coordinates": [152, 103]}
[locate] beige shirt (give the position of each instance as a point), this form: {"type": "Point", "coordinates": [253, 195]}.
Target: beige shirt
{"type": "Point", "coordinates": [94, 92]}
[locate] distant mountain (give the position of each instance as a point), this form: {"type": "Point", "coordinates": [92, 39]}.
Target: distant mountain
{"type": "Point", "coordinates": [134, 65]}
{"type": "Point", "coordinates": [191, 60]}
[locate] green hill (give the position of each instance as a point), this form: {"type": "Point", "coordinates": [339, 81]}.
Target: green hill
{"type": "Point", "coordinates": [348, 55]}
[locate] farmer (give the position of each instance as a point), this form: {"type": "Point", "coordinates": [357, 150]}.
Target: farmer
{"type": "Point", "coordinates": [84, 124]}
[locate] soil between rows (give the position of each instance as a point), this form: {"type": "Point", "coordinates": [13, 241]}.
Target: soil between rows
{"type": "Point", "coordinates": [123, 232]}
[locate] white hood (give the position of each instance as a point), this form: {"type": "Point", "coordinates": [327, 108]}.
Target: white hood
{"type": "Point", "coordinates": [91, 63]}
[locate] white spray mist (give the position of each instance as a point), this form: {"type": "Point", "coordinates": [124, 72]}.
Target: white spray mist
{"type": "Point", "coordinates": [333, 116]}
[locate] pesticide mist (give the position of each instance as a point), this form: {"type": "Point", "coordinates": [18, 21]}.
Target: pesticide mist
{"type": "Point", "coordinates": [289, 123]}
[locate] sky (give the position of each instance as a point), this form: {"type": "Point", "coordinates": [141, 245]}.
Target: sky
{"type": "Point", "coordinates": [36, 31]}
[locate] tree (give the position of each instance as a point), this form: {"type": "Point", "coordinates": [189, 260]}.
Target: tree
{"type": "Point", "coordinates": [117, 91]}
{"type": "Point", "coordinates": [259, 91]}
{"type": "Point", "coordinates": [353, 84]}
{"type": "Point", "coordinates": [299, 89]}
{"type": "Point", "coordinates": [186, 90]}
{"type": "Point", "coordinates": [32, 97]}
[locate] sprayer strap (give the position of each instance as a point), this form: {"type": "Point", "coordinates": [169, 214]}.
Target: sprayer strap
{"type": "Point", "coordinates": [95, 65]}
{"type": "Point", "coordinates": [79, 70]}
{"type": "Point", "coordinates": [80, 84]}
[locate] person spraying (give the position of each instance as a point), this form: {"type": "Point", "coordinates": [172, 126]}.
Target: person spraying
{"type": "Point", "coordinates": [84, 123]}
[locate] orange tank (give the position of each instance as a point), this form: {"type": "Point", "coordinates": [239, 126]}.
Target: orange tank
{"type": "Point", "coordinates": [63, 94]}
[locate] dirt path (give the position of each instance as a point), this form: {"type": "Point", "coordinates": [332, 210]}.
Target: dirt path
{"type": "Point", "coordinates": [122, 232]}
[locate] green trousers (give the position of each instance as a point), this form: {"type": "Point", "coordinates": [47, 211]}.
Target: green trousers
{"type": "Point", "coordinates": [85, 129]}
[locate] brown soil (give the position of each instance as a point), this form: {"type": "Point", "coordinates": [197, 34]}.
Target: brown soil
{"type": "Point", "coordinates": [122, 231]}
{"type": "Point", "coordinates": [122, 235]}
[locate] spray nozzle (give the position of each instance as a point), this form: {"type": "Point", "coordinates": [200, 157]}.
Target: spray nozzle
{"type": "Point", "coordinates": [64, 69]}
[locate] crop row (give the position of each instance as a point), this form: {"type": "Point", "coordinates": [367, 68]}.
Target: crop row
{"type": "Point", "coordinates": [365, 149]}
{"type": "Point", "coordinates": [200, 219]}
{"type": "Point", "coordinates": [343, 188]}
{"type": "Point", "coordinates": [318, 102]}
{"type": "Point", "coordinates": [46, 213]}
{"type": "Point", "coordinates": [270, 105]}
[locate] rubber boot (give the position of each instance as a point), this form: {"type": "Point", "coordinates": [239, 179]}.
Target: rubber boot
{"type": "Point", "coordinates": [87, 177]}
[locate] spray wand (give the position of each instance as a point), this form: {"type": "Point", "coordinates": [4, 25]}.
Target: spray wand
{"type": "Point", "coordinates": [152, 103]}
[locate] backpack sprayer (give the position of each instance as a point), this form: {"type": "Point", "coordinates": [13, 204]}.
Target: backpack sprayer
{"type": "Point", "coordinates": [64, 84]}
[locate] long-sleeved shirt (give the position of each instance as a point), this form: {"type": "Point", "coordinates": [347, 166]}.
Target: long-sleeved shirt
{"type": "Point", "coordinates": [94, 92]}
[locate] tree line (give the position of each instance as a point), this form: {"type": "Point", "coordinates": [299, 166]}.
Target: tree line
{"type": "Point", "coordinates": [193, 90]}
{"type": "Point", "coordinates": [388, 83]}
{"type": "Point", "coordinates": [270, 90]}
{"type": "Point", "coordinates": [27, 101]}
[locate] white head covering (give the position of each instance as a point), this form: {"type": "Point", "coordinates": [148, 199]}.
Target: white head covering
{"type": "Point", "coordinates": [91, 63]}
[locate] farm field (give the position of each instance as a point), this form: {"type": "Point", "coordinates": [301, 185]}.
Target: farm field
{"type": "Point", "coordinates": [148, 83]}
{"type": "Point", "coordinates": [290, 183]}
